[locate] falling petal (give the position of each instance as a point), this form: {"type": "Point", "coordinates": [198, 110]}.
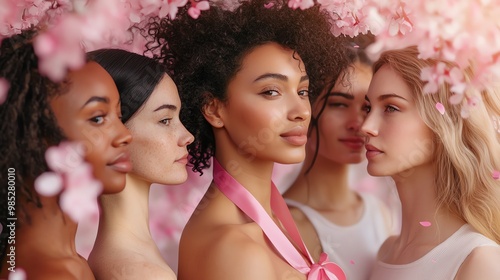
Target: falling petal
{"type": "Point", "coordinates": [425, 223]}
{"type": "Point", "coordinates": [434, 261]}
{"type": "Point", "coordinates": [48, 184]}
{"type": "Point", "coordinates": [496, 174]}
{"type": "Point", "coordinates": [440, 108]}
{"type": "Point", "coordinates": [352, 262]}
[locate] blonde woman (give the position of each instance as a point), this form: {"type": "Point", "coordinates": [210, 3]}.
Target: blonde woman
{"type": "Point", "coordinates": [442, 165]}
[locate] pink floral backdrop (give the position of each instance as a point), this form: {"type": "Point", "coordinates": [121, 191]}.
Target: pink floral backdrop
{"type": "Point", "coordinates": [461, 31]}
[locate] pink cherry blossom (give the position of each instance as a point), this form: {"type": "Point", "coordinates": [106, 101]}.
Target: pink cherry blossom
{"type": "Point", "coordinates": [18, 274]}
{"type": "Point", "coordinates": [196, 7]}
{"type": "Point", "coordinates": [65, 157]}
{"type": "Point", "coordinates": [81, 202]}
{"type": "Point", "coordinates": [72, 179]}
{"type": "Point", "coordinates": [49, 184]}
{"type": "Point", "coordinates": [434, 27]}
{"type": "Point", "coordinates": [170, 7]}
{"type": "Point", "coordinates": [302, 4]}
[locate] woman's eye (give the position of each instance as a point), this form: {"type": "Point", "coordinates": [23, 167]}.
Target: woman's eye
{"type": "Point", "coordinates": [337, 105]}
{"type": "Point", "coordinates": [166, 121]}
{"type": "Point", "coordinates": [366, 108]}
{"type": "Point", "coordinates": [98, 119]}
{"type": "Point", "coordinates": [391, 109]}
{"type": "Point", "coordinates": [271, 93]}
{"type": "Point", "coordinates": [304, 93]}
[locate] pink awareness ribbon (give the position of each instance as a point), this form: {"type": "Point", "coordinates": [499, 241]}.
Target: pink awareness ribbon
{"type": "Point", "coordinates": [325, 270]}
{"type": "Point", "coordinates": [244, 200]}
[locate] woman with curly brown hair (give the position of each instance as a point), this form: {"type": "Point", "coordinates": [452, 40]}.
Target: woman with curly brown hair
{"type": "Point", "coordinates": [246, 78]}
{"type": "Point", "coordinates": [37, 114]}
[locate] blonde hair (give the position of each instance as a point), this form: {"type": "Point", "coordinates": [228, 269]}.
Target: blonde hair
{"type": "Point", "coordinates": [467, 150]}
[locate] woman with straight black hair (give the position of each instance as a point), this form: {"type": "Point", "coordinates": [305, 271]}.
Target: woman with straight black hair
{"type": "Point", "coordinates": [124, 248]}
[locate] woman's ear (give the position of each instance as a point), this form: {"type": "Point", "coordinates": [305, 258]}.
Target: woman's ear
{"type": "Point", "coordinates": [213, 112]}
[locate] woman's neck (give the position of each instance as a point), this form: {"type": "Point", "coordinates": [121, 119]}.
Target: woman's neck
{"type": "Point", "coordinates": [127, 212]}
{"type": "Point", "coordinates": [423, 220]}
{"type": "Point", "coordinates": [46, 223]}
{"type": "Point", "coordinates": [326, 184]}
{"type": "Point", "coordinates": [254, 175]}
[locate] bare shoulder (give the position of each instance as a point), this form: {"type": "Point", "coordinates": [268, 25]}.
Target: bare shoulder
{"type": "Point", "coordinates": [386, 247]}
{"type": "Point", "coordinates": [232, 255]}
{"type": "Point", "coordinates": [482, 263]}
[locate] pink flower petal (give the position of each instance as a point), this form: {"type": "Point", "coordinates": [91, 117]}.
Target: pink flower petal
{"type": "Point", "coordinates": [4, 90]}
{"type": "Point", "coordinates": [81, 202]}
{"type": "Point", "coordinates": [48, 184]}
{"type": "Point", "coordinates": [496, 174]}
{"type": "Point", "coordinates": [352, 262]}
{"type": "Point", "coordinates": [440, 108]}
{"type": "Point", "coordinates": [269, 5]}
{"type": "Point", "coordinates": [194, 12]}
{"type": "Point", "coordinates": [18, 274]}
{"type": "Point", "coordinates": [65, 157]}
{"type": "Point", "coordinates": [425, 223]}
{"type": "Point", "coordinates": [203, 5]}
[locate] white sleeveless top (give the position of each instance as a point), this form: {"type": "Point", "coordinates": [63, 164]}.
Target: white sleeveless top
{"type": "Point", "coordinates": [354, 248]}
{"type": "Point", "coordinates": [441, 263]}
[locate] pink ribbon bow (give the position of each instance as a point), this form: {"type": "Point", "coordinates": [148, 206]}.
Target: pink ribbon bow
{"type": "Point", "coordinates": [325, 270]}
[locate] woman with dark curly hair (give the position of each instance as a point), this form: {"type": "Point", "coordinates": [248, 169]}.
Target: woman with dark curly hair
{"type": "Point", "coordinates": [37, 114]}
{"type": "Point", "coordinates": [246, 78]}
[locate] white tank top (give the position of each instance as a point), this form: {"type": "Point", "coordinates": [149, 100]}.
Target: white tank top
{"type": "Point", "coordinates": [441, 263]}
{"type": "Point", "coordinates": [354, 248]}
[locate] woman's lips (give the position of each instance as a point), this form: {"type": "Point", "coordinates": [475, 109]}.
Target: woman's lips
{"type": "Point", "coordinates": [353, 143]}
{"type": "Point", "coordinates": [372, 151]}
{"type": "Point", "coordinates": [296, 136]}
{"type": "Point", "coordinates": [183, 160]}
{"type": "Point", "coordinates": [121, 163]}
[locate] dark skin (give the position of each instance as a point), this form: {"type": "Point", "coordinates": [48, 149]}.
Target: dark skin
{"type": "Point", "coordinates": [45, 246]}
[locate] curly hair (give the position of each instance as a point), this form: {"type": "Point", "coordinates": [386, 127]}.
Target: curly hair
{"type": "Point", "coordinates": [204, 54]}
{"type": "Point", "coordinates": [28, 125]}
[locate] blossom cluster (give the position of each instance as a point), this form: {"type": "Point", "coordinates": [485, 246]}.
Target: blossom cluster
{"type": "Point", "coordinates": [71, 178]}
{"type": "Point", "coordinates": [71, 27]}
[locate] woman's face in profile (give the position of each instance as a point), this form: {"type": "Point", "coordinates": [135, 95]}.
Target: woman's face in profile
{"type": "Point", "coordinates": [159, 151]}
{"type": "Point", "coordinates": [89, 112]}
